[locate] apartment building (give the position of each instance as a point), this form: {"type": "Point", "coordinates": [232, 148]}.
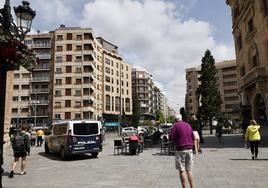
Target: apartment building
{"type": "Point", "coordinates": [149, 95]}
{"type": "Point", "coordinates": [31, 89]}
{"type": "Point", "coordinates": [117, 86]}
{"type": "Point", "coordinates": [76, 74]}
{"type": "Point", "coordinates": [226, 77]}
{"type": "Point", "coordinates": [250, 32]}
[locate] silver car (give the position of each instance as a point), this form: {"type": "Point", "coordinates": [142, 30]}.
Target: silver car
{"type": "Point", "coordinates": [127, 131]}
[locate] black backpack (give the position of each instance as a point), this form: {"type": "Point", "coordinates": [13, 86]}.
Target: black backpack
{"type": "Point", "coordinates": [18, 143]}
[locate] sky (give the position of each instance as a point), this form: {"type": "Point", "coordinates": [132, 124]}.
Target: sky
{"type": "Point", "coordinates": [162, 36]}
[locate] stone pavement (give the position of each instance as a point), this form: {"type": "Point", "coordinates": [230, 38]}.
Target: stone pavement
{"type": "Point", "coordinates": [226, 165]}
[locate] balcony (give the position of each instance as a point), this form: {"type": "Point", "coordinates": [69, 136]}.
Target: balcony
{"type": "Point", "coordinates": [41, 45]}
{"type": "Point", "coordinates": [40, 79]}
{"type": "Point", "coordinates": [41, 67]}
{"type": "Point", "coordinates": [43, 56]}
{"type": "Point", "coordinates": [39, 102]}
{"type": "Point", "coordinates": [42, 90]}
{"type": "Point", "coordinates": [254, 75]}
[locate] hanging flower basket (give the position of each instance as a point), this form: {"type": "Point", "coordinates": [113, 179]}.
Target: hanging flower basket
{"type": "Point", "coordinates": [13, 54]}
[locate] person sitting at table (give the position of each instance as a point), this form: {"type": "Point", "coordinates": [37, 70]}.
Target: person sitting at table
{"type": "Point", "coordinates": [133, 144]}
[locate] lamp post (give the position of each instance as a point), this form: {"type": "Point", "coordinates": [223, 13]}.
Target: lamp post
{"type": "Point", "coordinates": [17, 32]}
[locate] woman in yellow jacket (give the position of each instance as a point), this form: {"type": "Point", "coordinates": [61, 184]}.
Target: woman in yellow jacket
{"type": "Point", "coordinates": [253, 136]}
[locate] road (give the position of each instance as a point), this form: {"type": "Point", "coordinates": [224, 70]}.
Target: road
{"type": "Point", "coordinates": [226, 165]}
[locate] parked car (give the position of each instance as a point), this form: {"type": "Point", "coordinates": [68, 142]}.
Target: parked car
{"type": "Point", "coordinates": [127, 131]}
{"type": "Point", "coordinates": [164, 127]}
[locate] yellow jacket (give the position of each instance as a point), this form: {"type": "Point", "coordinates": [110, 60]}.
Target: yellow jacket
{"type": "Point", "coordinates": [252, 133]}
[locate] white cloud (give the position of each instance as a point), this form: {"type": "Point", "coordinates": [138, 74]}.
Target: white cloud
{"type": "Point", "coordinates": [150, 34]}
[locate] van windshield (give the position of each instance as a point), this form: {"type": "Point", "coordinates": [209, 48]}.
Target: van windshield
{"type": "Point", "coordinates": [85, 128]}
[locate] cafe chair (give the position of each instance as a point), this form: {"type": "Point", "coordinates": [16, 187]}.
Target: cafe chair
{"type": "Point", "coordinates": [119, 147]}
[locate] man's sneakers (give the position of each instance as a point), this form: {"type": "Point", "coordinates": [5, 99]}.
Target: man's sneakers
{"type": "Point", "coordinates": [11, 174]}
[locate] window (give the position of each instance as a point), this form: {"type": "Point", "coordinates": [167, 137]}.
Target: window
{"type": "Point", "coordinates": [67, 103]}
{"type": "Point", "coordinates": [77, 104]}
{"type": "Point", "coordinates": [15, 98]}
{"type": "Point", "coordinates": [59, 37]}
{"type": "Point", "coordinates": [58, 70]}
{"type": "Point", "coordinates": [107, 70]}
{"type": "Point", "coordinates": [59, 48]}
{"type": "Point", "coordinates": [250, 25]}
{"type": "Point", "coordinates": [68, 92]}
{"type": "Point", "coordinates": [77, 116]}
{"type": "Point", "coordinates": [68, 80]}
{"type": "Point", "coordinates": [17, 75]}
{"type": "Point", "coordinates": [107, 78]}
{"type": "Point", "coordinates": [69, 36]}
{"type": "Point", "coordinates": [78, 92]}
{"type": "Point", "coordinates": [68, 69]}
{"type": "Point", "coordinates": [57, 104]}
{"type": "Point", "coordinates": [68, 58]}
{"type": "Point", "coordinates": [25, 75]}
{"type": "Point", "coordinates": [57, 116]}
{"type": "Point", "coordinates": [24, 98]}
{"type": "Point", "coordinates": [78, 81]}
{"type": "Point", "coordinates": [108, 105]}
{"type": "Point", "coordinates": [88, 58]}
{"type": "Point", "coordinates": [117, 104]}
{"type": "Point", "coordinates": [78, 37]}
{"type": "Point", "coordinates": [107, 61]}
{"type": "Point", "coordinates": [86, 128]}
{"type": "Point", "coordinates": [58, 93]}
{"type": "Point", "coordinates": [59, 59]}
{"type": "Point", "coordinates": [58, 81]}
{"type": "Point", "coordinates": [107, 88]}
{"type": "Point", "coordinates": [78, 58]}
{"type": "Point", "coordinates": [78, 48]}
{"type": "Point", "coordinates": [88, 36]}
{"type": "Point", "coordinates": [25, 87]}
{"type": "Point", "coordinates": [67, 115]}
{"type": "Point", "coordinates": [69, 47]}
{"type": "Point", "coordinates": [86, 91]}
{"type": "Point", "coordinates": [78, 69]}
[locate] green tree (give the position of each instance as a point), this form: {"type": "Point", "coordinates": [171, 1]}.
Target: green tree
{"type": "Point", "coordinates": [210, 106]}
{"type": "Point", "coordinates": [136, 112]}
{"type": "Point", "coordinates": [159, 116]}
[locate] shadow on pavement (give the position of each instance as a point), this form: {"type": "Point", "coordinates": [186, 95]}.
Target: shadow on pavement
{"type": "Point", "coordinates": [56, 157]}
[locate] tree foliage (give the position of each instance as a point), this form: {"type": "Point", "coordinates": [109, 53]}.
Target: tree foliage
{"type": "Point", "coordinates": [136, 112]}
{"type": "Point", "coordinates": [210, 106]}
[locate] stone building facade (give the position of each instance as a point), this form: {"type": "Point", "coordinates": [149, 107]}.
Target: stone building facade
{"type": "Point", "coordinates": [250, 32]}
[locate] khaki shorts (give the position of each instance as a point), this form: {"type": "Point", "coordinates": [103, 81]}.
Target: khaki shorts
{"type": "Point", "coordinates": [184, 160]}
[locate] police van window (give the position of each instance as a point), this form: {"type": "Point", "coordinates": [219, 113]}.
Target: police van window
{"type": "Point", "coordinates": [85, 128]}
{"type": "Point", "coordinates": [59, 129]}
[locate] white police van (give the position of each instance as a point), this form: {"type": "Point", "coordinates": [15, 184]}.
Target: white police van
{"type": "Point", "coordinates": [74, 137]}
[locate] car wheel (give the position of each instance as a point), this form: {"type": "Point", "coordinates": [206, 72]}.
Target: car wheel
{"type": "Point", "coordinates": [95, 154]}
{"type": "Point", "coordinates": [63, 154]}
{"type": "Point", "coordinates": [124, 134]}
{"type": "Point", "coordinates": [47, 150]}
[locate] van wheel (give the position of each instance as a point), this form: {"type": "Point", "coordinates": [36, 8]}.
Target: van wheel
{"type": "Point", "coordinates": [95, 154]}
{"type": "Point", "coordinates": [47, 151]}
{"type": "Point", "coordinates": [63, 154]}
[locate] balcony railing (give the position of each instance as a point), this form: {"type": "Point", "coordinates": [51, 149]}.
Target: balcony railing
{"type": "Point", "coordinates": [41, 45]}
{"type": "Point", "coordinates": [253, 76]}
{"type": "Point", "coordinates": [42, 90]}
{"type": "Point", "coordinates": [41, 67]}
{"type": "Point", "coordinates": [40, 79]}
{"type": "Point", "coordinates": [43, 56]}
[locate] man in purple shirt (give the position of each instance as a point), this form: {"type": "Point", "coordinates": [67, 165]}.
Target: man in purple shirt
{"type": "Point", "coordinates": [182, 135]}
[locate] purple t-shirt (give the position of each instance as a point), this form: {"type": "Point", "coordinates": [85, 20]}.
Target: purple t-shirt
{"type": "Point", "coordinates": [182, 135]}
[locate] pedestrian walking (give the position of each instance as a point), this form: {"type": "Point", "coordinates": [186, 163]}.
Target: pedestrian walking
{"type": "Point", "coordinates": [196, 142]}
{"type": "Point", "coordinates": [20, 145]}
{"type": "Point", "coordinates": [33, 137]}
{"type": "Point", "coordinates": [253, 136]}
{"type": "Point", "coordinates": [40, 134]}
{"type": "Point", "coordinates": [182, 135]}
{"type": "Point", "coordinates": [219, 132]}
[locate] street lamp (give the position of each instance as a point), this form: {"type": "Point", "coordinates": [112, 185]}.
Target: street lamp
{"type": "Point", "coordinates": [10, 59]}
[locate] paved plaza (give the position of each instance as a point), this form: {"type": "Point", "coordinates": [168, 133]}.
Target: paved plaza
{"type": "Point", "coordinates": [226, 165]}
